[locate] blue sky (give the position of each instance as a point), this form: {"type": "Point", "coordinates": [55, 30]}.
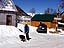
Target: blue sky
{"type": "Point", "coordinates": [39, 5]}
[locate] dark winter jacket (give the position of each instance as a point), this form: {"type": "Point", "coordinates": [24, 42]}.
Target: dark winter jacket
{"type": "Point", "coordinates": [26, 29]}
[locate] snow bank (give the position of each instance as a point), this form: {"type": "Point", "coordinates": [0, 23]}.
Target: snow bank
{"type": "Point", "coordinates": [9, 37]}
{"type": "Point", "coordinates": [9, 31]}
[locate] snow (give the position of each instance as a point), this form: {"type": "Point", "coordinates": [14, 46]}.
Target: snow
{"type": "Point", "coordinates": [9, 38]}
{"type": "Point", "coordinates": [7, 5]}
{"type": "Point", "coordinates": [60, 23]}
{"type": "Point", "coordinates": [31, 14]}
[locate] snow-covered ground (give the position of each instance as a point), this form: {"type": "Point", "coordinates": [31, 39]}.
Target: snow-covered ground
{"type": "Point", "coordinates": [9, 38]}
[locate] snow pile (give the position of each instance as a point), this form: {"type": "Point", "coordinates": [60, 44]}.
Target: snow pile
{"type": "Point", "coordinates": [53, 29]}
{"type": "Point", "coordinates": [9, 31]}
{"type": "Point", "coordinates": [9, 37]}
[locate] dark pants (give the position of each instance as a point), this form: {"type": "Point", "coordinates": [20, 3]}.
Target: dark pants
{"type": "Point", "coordinates": [27, 35]}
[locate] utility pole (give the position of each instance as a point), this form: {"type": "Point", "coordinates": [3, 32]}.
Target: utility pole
{"type": "Point", "coordinates": [58, 16]}
{"type": "Point", "coordinates": [58, 11]}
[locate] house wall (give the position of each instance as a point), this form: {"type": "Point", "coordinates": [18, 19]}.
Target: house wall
{"type": "Point", "coordinates": [49, 24]}
{"type": "Point", "coordinates": [25, 20]}
{"type": "Point", "coordinates": [34, 23]}
{"type": "Point", "coordinates": [3, 18]}
{"type": "Point", "coordinates": [54, 23]}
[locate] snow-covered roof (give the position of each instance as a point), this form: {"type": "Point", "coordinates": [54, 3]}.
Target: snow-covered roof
{"type": "Point", "coordinates": [7, 5]}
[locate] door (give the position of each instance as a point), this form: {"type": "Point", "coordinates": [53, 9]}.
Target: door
{"type": "Point", "coordinates": [8, 20]}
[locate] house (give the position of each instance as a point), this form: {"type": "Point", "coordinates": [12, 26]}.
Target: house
{"type": "Point", "coordinates": [7, 13]}
{"type": "Point", "coordinates": [26, 20]}
{"type": "Point", "coordinates": [47, 19]}
{"type": "Point", "coordinates": [23, 17]}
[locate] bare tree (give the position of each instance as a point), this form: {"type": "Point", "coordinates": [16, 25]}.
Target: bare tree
{"type": "Point", "coordinates": [32, 10]}
{"type": "Point", "coordinates": [62, 4]}
{"type": "Point", "coordinates": [47, 11]}
{"type": "Point", "coordinates": [50, 11]}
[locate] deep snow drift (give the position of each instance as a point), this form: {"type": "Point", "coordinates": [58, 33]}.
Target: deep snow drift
{"type": "Point", "coordinates": [9, 38]}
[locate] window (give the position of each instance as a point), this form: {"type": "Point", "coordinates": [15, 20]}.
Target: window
{"type": "Point", "coordinates": [28, 20]}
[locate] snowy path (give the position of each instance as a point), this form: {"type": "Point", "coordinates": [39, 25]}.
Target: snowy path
{"type": "Point", "coordinates": [47, 41]}
{"type": "Point", "coordinates": [43, 40]}
{"type": "Point", "coordinates": [11, 40]}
